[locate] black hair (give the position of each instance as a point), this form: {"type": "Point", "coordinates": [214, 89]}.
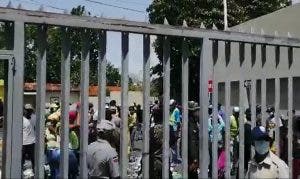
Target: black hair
{"type": "Point", "coordinates": [219, 106]}
{"type": "Point", "coordinates": [248, 114]}
{"type": "Point", "coordinates": [112, 103]}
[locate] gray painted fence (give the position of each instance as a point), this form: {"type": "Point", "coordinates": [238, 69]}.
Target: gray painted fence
{"type": "Point", "coordinates": [209, 40]}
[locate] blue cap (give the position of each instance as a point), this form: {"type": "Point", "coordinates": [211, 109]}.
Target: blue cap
{"type": "Point", "coordinates": [260, 133]}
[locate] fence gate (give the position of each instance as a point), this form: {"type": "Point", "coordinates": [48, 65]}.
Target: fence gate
{"type": "Point", "coordinates": [210, 41]}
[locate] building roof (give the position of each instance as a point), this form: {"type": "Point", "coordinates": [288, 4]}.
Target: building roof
{"type": "Point", "coordinates": [283, 21]}
{"type": "Point", "coordinates": [50, 87]}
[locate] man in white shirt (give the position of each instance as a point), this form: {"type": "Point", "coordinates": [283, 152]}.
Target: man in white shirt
{"type": "Point", "coordinates": [265, 164]}
{"type": "Point", "coordinates": [28, 135]}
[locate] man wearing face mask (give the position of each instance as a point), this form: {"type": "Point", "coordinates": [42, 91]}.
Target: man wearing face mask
{"type": "Point", "coordinates": [265, 163]}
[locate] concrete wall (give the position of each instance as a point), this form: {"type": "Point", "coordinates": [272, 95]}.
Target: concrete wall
{"type": "Point", "coordinates": [133, 97]}
{"type": "Point", "coordinates": [31, 98]}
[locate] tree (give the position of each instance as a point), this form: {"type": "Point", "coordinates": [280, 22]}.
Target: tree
{"type": "Point", "coordinates": [196, 12]}
{"type": "Point", "coordinates": [54, 55]}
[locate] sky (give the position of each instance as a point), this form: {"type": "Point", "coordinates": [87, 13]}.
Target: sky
{"type": "Point", "coordinates": [137, 12]}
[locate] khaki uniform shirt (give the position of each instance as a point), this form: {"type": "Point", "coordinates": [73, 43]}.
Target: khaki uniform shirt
{"type": "Point", "coordinates": [271, 167]}
{"type": "Point", "coordinates": [102, 160]}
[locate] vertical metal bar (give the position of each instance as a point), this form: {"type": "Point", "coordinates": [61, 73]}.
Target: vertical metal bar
{"type": "Point", "coordinates": [102, 75]}
{"type": "Point", "coordinates": [206, 52]}
{"type": "Point", "coordinates": [124, 105]}
{"type": "Point", "coordinates": [241, 130]}
{"type": "Point", "coordinates": [84, 96]}
{"type": "Point", "coordinates": [215, 130]}
{"type": "Point", "coordinates": [40, 102]}
{"type": "Point", "coordinates": [253, 102]}
{"type": "Point", "coordinates": [263, 100]}
{"type": "Point", "coordinates": [7, 143]}
{"type": "Point", "coordinates": [17, 123]}
{"type": "Point", "coordinates": [227, 128]}
{"type": "Point", "coordinates": [166, 107]}
{"type": "Point", "coordinates": [290, 126]}
{"type": "Point", "coordinates": [227, 123]}
{"type": "Point", "coordinates": [277, 115]}
{"type": "Point", "coordinates": [214, 120]}
{"type": "Point", "coordinates": [184, 99]}
{"type": "Point", "coordinates": [253, 109]}
{"type": "Point", "coordinates": [146, 111]}
{"type": "Point", "coordinates": [65, 94]}
{"type": "Point", "coordinates": [241, 116]}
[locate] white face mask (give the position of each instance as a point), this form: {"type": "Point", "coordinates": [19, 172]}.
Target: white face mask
{"type": "Point", "coordinates": [261, 147]}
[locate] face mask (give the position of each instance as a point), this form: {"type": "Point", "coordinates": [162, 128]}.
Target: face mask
{"type": "Point", "coordinates": [261, 147]}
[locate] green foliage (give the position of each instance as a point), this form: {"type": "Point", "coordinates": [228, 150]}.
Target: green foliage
{"type": "Point", "coordinates": [196, 12]}
{"type": "Point", "coordinates": [54, 55]}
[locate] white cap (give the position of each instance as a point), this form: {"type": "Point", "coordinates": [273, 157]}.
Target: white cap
{"type": "Point", "coordinates": [28, 106]}
{"type": "Point", "coordinates": [105, 125]}
{"type": "Point", "coordinates": [236, 109]}
{"type": "Point", "coordinates": [172, 101]}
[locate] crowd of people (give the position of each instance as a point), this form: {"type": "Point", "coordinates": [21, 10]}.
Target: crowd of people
{"type": "Point", "coordinates": [104, 141]}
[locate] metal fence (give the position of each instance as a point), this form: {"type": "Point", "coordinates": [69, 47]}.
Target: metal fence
{"type": "Point", "coordinates": [209, 40]}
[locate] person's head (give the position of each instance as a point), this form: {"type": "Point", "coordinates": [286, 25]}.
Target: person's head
{"type": "Point", "coordinates": [261, 140]}
{"type": "Point", "coordinates": [91, 106]}
{"type": "Point", "coordinates": [72, 117]}
{"type": "Point", "coordinates": [156, 101]}
{"type": "Point", "coordinates": [248, 114]}
{"type": "Point", "coordinates": [112, 103]}
{"type": "Point", "coordinates": [236, 111]}
{"type": "Point", "coordinates": [194, 109]}
{"type": "Point", "coordinates": [210, 110]}
{"type": "Point", "coordinates": [138, 107]}
{"type": "Point", "coordinates": [53, 107]}
{"type": "Point", "coordinates": [131, 110]}
{"type": "Point", "coordinates": [219, 106]}
{"type": "Point", "coordinates": [172, 104]}
{"type": "Point", "coordinates": [271, 111]}
{"type": "Point", "coordinates": [113, 110]}
{"type": "Point", "coordinates": [105, 129]}
{"type": "Point", "coordinates": [258, 110]}
{"type": "Point", "coordinates": [28, 110]}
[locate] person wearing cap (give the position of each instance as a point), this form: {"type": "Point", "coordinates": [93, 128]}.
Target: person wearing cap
{"type": "Point", "coordinates": [265, 163]}
{"type": "Point", "coordinates": [102, 158]}
{"type": "Point", "coordinates": [28, 135]}
{"type": "Point", "coordinates": [193, 138]}
{"type": "Point", "coordinates": [234, 132]}
{"type": "Point", "coordinates": [271, 124]}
